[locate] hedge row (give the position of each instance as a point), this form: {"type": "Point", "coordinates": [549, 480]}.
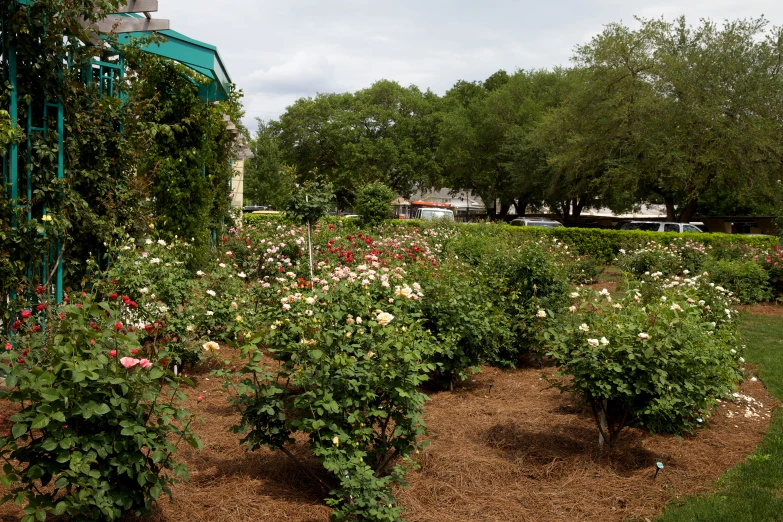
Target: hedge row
{"type": "Point", "coordinates": [601, 244]}
{"type": "Point", "coordinates": [604, 245]}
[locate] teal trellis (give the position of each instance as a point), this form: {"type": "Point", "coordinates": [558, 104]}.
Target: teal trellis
{"type": "Point", "coordinates": [198, 56]}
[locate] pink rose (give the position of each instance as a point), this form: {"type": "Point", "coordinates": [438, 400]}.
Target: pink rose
{"type": "Point", "coordinates": [145, 363]}
{"type": "Point", "coordinates": [113, 353]}
{"type": "Point", "coordinates": [129, 362]}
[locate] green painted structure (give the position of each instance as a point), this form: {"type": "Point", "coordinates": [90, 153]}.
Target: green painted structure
{"type": "Point", "coordinates": [200, 57]}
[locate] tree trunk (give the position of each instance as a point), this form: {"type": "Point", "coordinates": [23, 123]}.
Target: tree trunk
{"type": "Point", "coordinates": [689, 211]}
{"type": "Point", "coordinates": [503, 210]}
{"type": "Point", "coordinates": [566, 206]}
{"type": "Point", "coordinates": [578, 205]}
{"type": "Point", "coordinates": [669, 202]}
{"type": "Point", "coordinates": [521, 205]}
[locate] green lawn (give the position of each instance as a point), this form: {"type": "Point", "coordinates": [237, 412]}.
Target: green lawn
{"type": "Point", "coordinates": [752, 491]}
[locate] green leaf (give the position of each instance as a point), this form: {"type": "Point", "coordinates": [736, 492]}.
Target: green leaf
{"type": "Point", "coordinates": [40, 421]}
{"type": "Point", "coordinates": [18, 429]}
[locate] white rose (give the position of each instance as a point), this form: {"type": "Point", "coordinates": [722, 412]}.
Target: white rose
{"type": "Point", "coordinates": [592, 342]}
{"type": "Point", "coordinates": [643, 336]}
{"type": "Point", "coordinates": [584, 327]}
{"type": "Point", "coordinates": [384, 318]}
{"type": "Point", "coordinates": [541, 313]}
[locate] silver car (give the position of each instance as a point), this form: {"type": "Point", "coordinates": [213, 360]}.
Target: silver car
{"type": "Point", "coordinates": [535, 222]}
{"type": "Point", "coordinates": [660, 226]}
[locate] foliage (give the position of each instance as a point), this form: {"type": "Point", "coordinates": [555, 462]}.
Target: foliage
{"type": "Point", "coordinates": [348, 358]}
{"type": "Point", "coordinates": [604, 245]}
{"type": "Point", "coordinates": [673, 114]}
{"type": "Point", "coordinates": [127, 154]}
{"type": "Point", "coordinates": [385, 133]}
{"type": "Point", "coordinates": [268, 181]}
{"type": "Point", "coordinates": [749, 491]}
{"type": "Point", "coordinates": [658, 365]}
{"type": "Point", "coordinates": [747, 279]}
{"type": "Point", "coordinates": [95, 426]}
{"type": "Point", "coordinates": [373, 203]}
{"type": "Point", "coordinates": [772, 262]}
{"type": "Point", "coordinates": [309, 202]}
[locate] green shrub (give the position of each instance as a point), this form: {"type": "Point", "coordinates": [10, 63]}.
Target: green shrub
{"type": "Point", "coordinates": [650, 259]}
{"type": "Point", "coordinates": [348, 358]}
{"type": "Point", "coordinates": [373, 204]}
{"type": "Point", "coordinates": [659, 366]}
{"type": "Point", "coordinates": [94, 425]}
{"type": "Point", "coordinates": [604, 245]}
{"type": "Point", "coordinates": [747, 279]}
{"type": "Point", "coordinates": [467, 315]}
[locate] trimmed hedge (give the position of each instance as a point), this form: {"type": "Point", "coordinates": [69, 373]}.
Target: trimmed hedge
{"type": "Point", "coordinates": [604, 245]}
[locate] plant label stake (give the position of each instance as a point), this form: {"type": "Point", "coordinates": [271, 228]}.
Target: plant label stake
{"type": "Point", "coordinates": [491, 384]}
{"type": "Point", "coordinates": [658, 468]}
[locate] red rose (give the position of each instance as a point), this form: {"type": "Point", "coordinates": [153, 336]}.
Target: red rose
{"type": "Point", "coordinates": [20, 360]}
{"type": "Point", "coordinates": [62, 316]}
{"type": "Point", "coordinates": [118, 326]}
{"type": "Point", "coordinates": [37, 328]}
{"type": "Point", "coordinates": [132, 304]}
{"type": "Point", "coordinates": [134, 352]}
{"type": "Point", "coordinates": [113, 353]}
{"type": "Point", "coordinates": [84, 294]}
{"type": "Point", "coordinates": [65, 299]}
{"type": "Point", "coordinates": [26, 313]}
{"type": "Point", "coordinates": [148, 327]}
{"type": "Point", "coordinates": [113, 296]}
{"type": "Point", "coordinates": [39, 289]}
{"type": "Point", "coordinates": [26, 351]}
{"type": "Point", "coordinates": [40, 307]}
{"type": "Point", "coordinates": [8, 347]}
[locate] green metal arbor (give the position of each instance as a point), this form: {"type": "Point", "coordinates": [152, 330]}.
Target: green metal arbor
{"type": "Point", "coordinates": [45, 116]}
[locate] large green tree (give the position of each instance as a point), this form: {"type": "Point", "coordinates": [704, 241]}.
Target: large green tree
{"type": "Point", "coordinates": [484, 129]}
{"type": "Point", "coordinates": [386, 133]}
{"type": "Point", "coordinates": [668, 113]}
{"type": "Point", "coordinates": [268, 181]}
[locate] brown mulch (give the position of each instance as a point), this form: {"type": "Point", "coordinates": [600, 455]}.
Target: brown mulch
{"type": "Point", "coordinates": [520, 452]}
{"type": "Point", "coordinates": [767, 309]}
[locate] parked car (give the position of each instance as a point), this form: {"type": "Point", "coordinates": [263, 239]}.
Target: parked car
{"type": "Point", "coordinates": [431, 214]}
{"type": "Point", "coordinates": [535, 222]}
{"type": "Point", "coordinates": [659, 226]}
{"type": "Point", "coordinates": [254, 208]}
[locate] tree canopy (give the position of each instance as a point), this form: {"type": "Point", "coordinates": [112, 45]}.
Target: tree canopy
{"type": "Point", "coordinates": [689, 117]}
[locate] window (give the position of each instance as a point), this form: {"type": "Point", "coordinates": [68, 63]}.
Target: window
{"type": "Point", "coordinates": [671, 227]}
{"type": "Point", "coordinates": [691, 228]}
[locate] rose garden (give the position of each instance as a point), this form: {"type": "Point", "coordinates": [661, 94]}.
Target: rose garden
{"type": "Point", "coordinates": [167, 358]}
{"type": "Point", "coordinates": [337, 373]}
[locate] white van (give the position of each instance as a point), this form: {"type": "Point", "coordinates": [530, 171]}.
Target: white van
{"type": "Point", "coordinates": [431, 214]}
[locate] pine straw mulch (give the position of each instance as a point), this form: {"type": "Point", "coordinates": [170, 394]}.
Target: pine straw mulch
{"type": "Point", "coordinates": [520, 452]}
{"type": "Point", "coordinates": [767, 309]}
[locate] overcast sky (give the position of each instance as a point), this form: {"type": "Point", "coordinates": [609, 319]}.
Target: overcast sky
{"type": "Point", "coordinates": [279, 51]}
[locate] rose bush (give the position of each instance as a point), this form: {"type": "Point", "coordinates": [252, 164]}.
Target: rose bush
{"type": "Point", "coordinates": [97, 419]}
{"type": "Point", "coordinates": [345, 355]}
{"type": "Point", "coordinates": [656, 363]}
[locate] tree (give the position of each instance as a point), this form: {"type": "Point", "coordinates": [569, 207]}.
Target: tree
{"type": "Point", "coordinates": [386, 133]}
{"type": "Point", "coordinates": [484, 128]}
{"type": "Point", "coordinates": [268, 181]}
{"type": "Point", "coordinates": [669, 113]}
{"type": "Point", "coordinates": [373, 203]}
